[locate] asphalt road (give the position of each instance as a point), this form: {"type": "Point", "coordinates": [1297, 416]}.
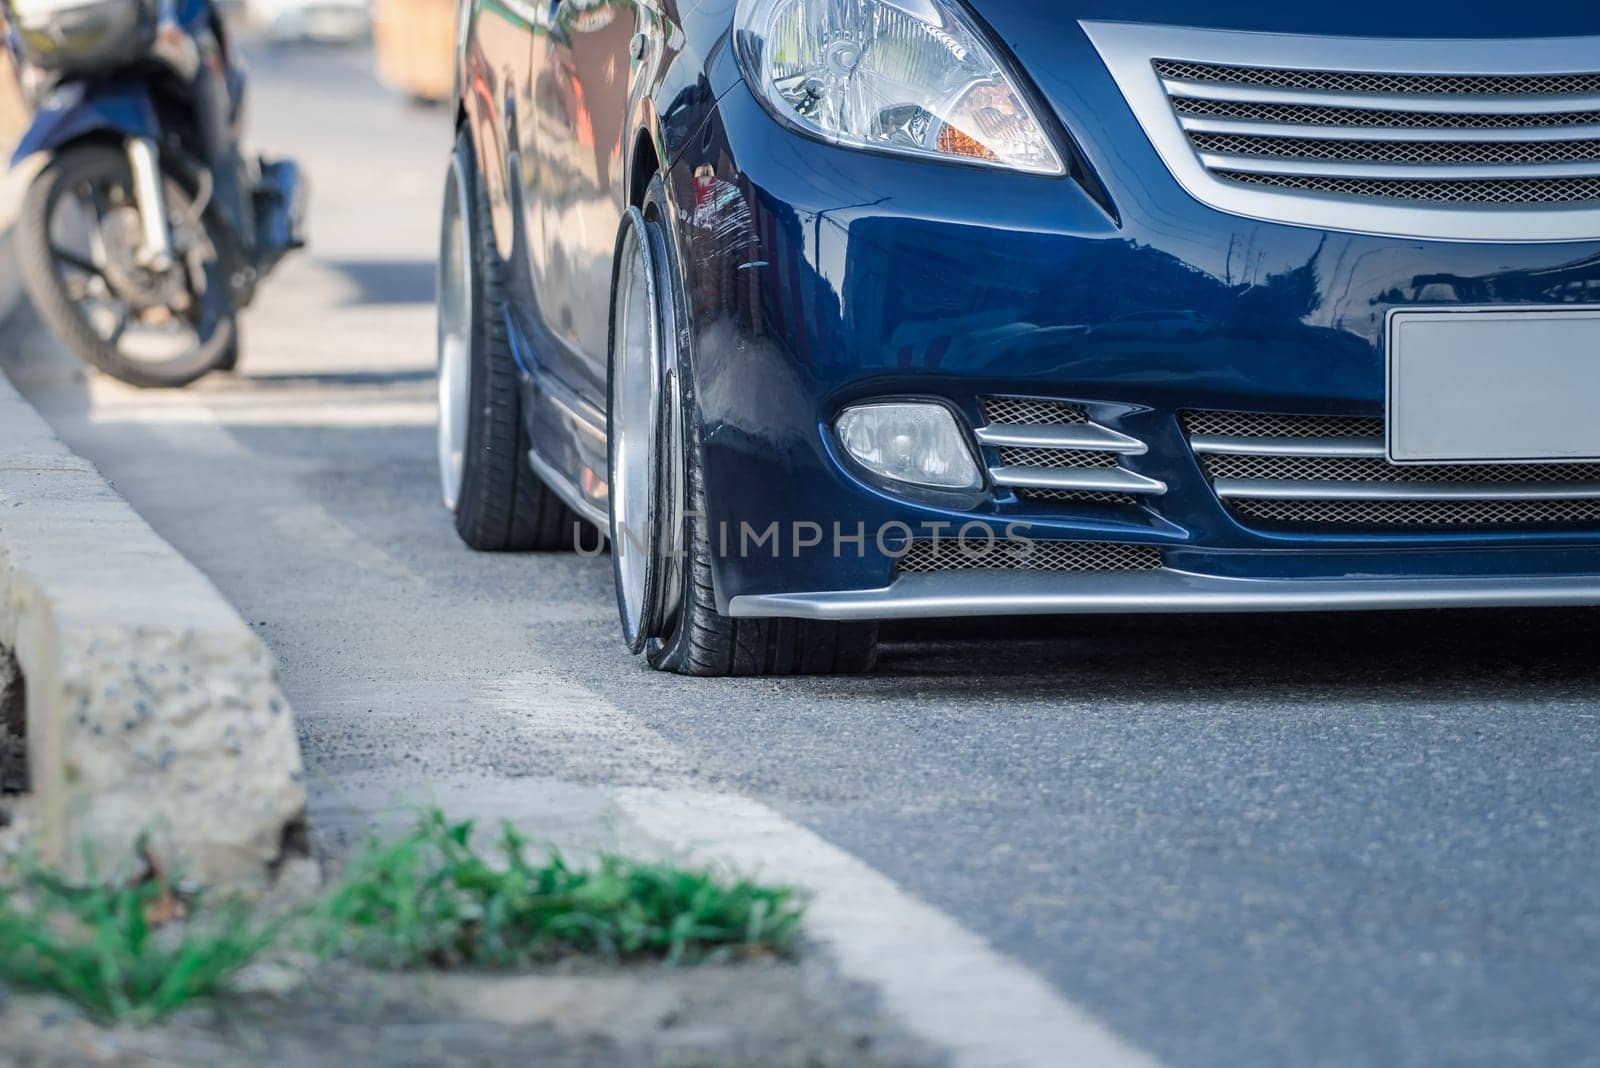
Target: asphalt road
{"type": "Point", "coordinates": [1363, 840]}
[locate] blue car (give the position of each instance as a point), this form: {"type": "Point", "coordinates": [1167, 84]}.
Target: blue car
{"type": "Point", "coordinates": [830, 312]}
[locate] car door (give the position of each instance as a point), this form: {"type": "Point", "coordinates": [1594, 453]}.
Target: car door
{"type": "Point", "coordinates": [581, 67]}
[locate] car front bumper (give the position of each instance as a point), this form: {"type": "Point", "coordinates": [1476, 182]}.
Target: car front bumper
{"type": "Point", "coordinates": [821, 277]}
{"type": "Point", "coordinates": [958, 594]}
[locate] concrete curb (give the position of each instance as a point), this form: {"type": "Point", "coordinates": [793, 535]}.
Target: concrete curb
{"type": "Point", "coordinates": [151, 708]}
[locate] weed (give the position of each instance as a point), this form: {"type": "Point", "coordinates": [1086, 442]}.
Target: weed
{"type": "Point", "coordinates": [132, 952]}
{"type": "Point", "coordinates": [139, 951]}
{"type": "Point", "coordinates": [431, 898]}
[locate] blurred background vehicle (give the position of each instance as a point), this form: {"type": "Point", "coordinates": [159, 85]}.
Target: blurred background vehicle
{"type": "Point", "coordinates": [322, 21]}
{"type": "Point", "coordinates": [149, 228]}
{"type": "Point", "coordinates": [414, 44]}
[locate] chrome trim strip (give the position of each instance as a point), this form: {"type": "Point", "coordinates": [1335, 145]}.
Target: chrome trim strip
{"type": "Point", "coordinates": [1333, 168]}
{"type": "Point", "coordinates": [1129, 50]}
{"type": "Point", "coordinates": [563, 487]}
{"type": "Point", "coordinates": [1087, 479]}
{"type": "Point", "coordinates": [1272, 489]}
{"type": "Point", "coordinates": [581, 413]}
{"type": "Point", "coordinates": [993, 593]}
{"type": "Point", "coordinates": [1088, 436]}
{"type": "Point", "coordinates": [1439, 103]}
{"type": "Point", "coordinates": [1322, 448]}
{"type": "Point", "coordinates": [1205, 124]}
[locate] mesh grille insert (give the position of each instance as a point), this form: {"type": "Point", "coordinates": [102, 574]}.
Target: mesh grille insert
{"type": "Point", "coordinates": [1421, 513]}
{"type": "Point", "coordinates": [1056, 496]}
{"type": "Point", "coordinates": [1056, 458]}
{"type": "Point", "coordinates": [1362, 82]}
{"type": "Point", "coordinates": [950, 555]}
{"type": "Point", "coordinates": [1031, 411]}
{"type": "Point", "coordinates": [1373, 469]}
{"type": "Point", "coordinates": [1426, 152]}
{"type": "Point", "coordinates": [1315, 115]}
{"type": "Point", "coordinates": [1038, 412]}
{"type": "Point", "coordinates": [1252, 425]}
{"type": "Point", "coordinates": [1341, 511]}
{"type": "Point", "coordinates": [1474, 191]}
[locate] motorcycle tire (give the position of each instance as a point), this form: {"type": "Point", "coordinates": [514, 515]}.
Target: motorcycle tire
{"type": "Point", "coordinates": [47, 286]}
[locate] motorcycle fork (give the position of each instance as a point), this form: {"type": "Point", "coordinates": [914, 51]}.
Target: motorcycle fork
{"type": "Point", "coordinates": [144, 159]}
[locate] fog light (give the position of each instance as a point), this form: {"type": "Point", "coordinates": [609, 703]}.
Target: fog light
{"type": "Point", "coordinates": [917, 443]}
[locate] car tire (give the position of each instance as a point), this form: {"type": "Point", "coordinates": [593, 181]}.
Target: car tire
{"type": "Point", "coordinates": [499, 503]}
{"type": "Point", "coordinates": [676, 622]}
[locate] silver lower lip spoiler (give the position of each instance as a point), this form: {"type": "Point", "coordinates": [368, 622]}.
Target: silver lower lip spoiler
{"type": "Point", "coordinates": [1018, 593]}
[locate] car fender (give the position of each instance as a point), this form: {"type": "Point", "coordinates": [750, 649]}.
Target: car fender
{"type": "Point", "coordinates": [490, 81]}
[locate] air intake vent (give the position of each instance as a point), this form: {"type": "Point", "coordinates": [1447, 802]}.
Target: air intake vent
{"type": "Point", "coordinates": [1358, 118]}
{"type": "Point", "coordinates": [952, 555]}
{"type": "Point", "coordinates": [1442, 152]}
{"type": "Point", "coordinates": [1052, 452]}
{"type": "Point", "coordinates": [1334, 471]}
{"type": "Point", "coordinates": [1057, 458]}
{"type": "Point", "coordinates": [1498, 140]}
{"type": "Point", "coordinates": [1333, 81]}
{"type": "Point", "coordinates": [1250, 425]}
{"type": "Point", "coordinates": [1522, 191]}
{"type": "Point", "coordinates": [1032, 411]}
{"type": "Point", "coordinates": [1444, 514]}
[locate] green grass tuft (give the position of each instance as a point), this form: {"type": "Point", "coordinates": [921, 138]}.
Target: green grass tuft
{"type": "Point", "coordinates": [121, 952]}
{"type": "Point", "coordinates": [432, 899]}
{"type": "Point", "coordinates": [138, 952]}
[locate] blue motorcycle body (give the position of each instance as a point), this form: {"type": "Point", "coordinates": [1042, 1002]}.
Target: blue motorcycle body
{"type": "Point", "coordinates": [119, 108]}
{"type": "Point", "coordinates": [261, 205]}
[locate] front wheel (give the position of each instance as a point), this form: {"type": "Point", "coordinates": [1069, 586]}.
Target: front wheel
{"type": "Point", "coordinates": [500, 504]}
{"type": "Point", "coordinates": [78, 244]}
{"type": "Point", "coordinates": [661, 547]}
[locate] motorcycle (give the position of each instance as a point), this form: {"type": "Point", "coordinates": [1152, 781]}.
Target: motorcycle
{"type": "Point", "coordinates": [148, 230]}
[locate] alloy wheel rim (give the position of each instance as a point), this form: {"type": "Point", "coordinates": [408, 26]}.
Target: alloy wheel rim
{"type": "Point", "coordinates": [635, 407]}
{"type": "Point", "coordinates": [454, 340]}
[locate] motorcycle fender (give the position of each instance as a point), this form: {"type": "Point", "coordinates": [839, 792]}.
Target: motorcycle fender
{"type": "Point", "coordinates": [75, 111]}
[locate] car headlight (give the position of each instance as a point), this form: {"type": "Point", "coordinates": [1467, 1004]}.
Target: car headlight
{"type": "Point", "coordinates": [909, 76]}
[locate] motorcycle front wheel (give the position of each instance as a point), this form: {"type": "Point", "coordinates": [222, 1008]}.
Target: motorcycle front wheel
{"type": "Point", "coordinates": [78, 244]}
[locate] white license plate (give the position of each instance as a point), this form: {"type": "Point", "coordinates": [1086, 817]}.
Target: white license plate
{"type": "Point", "coordinates": [1488, 385]}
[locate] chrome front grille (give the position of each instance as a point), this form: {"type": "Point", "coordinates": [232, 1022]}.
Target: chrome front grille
{"type": "Point", "coordinates": [1400, 151]}
{"type": "Point", "coordinates": [1522, 191]}
{"type": "Point", "coordinates": [949, 554]}
{"type": "Point", "coordinates": [1051, 451]}
{"type": "Point", "coordinates": [1298, 153]}
{"type": "Point", "coordinates": [1333, 470]}
{"type": "Point", "coordinates": [1422, 513]}
{"type": "Point", "coordinates": [1252, 425]}
{"type": "Point", "coordinates": [1362, 117]}
{"type": "Point", "coordinates": [1467, 140]}
{"type": "Point", "coordinates": [1335, 81]}
{"type": "Point", "coordinates": [1378, 469]}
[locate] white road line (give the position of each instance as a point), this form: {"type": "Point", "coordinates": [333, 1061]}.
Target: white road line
{"type": "Point", "coordinates": [941, 981]}
{"type": "Point", "coordinates": [278, 412]}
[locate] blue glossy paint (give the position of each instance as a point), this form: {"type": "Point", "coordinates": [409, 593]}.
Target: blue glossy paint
{"type": "Point", "coordinates": [119, 107]}
{"type": "Point", "coordinates": [820, 276]}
